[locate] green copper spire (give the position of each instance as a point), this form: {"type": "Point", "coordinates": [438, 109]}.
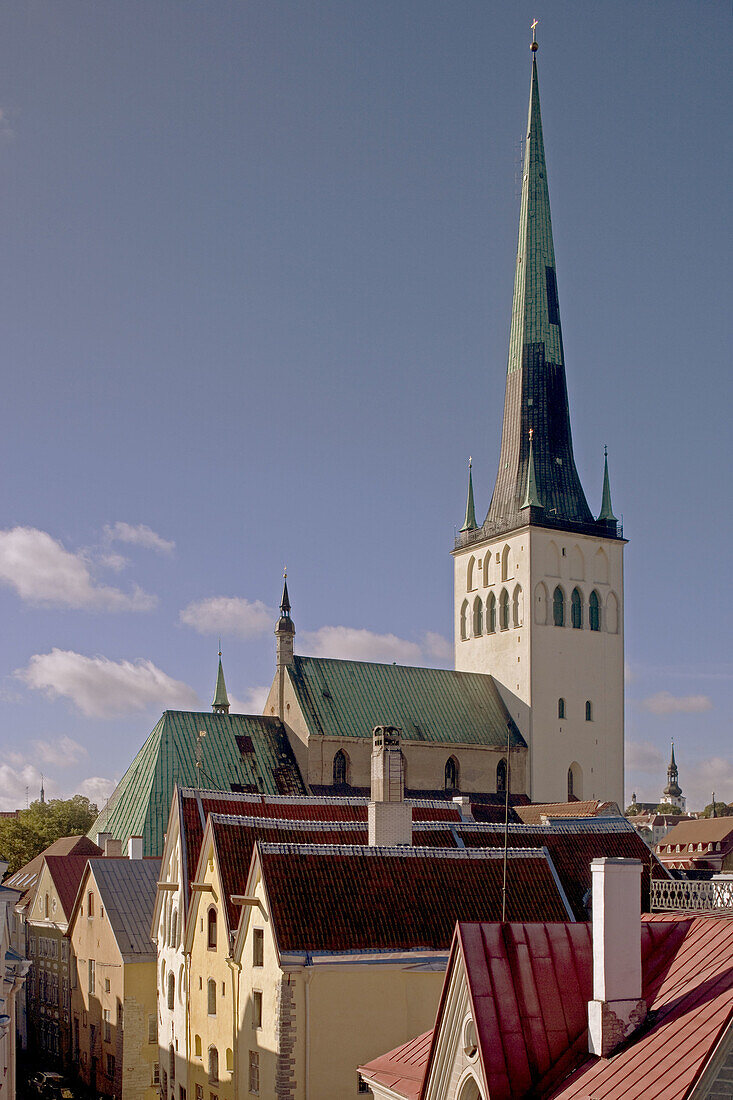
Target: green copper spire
{"type": "Point", "coordinates": [606, 512]}
{"type": "Point", "coordinates": [531, 497]}
{"type": "Point", "coordinates": [469, 523]}
{"type": "Point", "coordinates": [221, 699]}
{"type": "Point", "coordinates": [536, 390]}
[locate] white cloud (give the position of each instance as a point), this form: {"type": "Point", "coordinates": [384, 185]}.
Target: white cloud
{"type": "Point", "coordinates": [231, 615]}
{"type": "Point", "coordinates": [666, 703]}
{"type": "Point", "coordinates": [438, 647]}
{"type": "Point", "coordinates": [42, 571]}
{"type": "Point", "coordinates": [356, 644]}
{"type": "Point", "coordinates": [97, 789]}
{"type": "Point", "coordinates": [642, 756]}
{"type": "Point", "coordinates": [13, 784]}
{"type": "Point", "coordinates": [700, 779]}
{"type": "Point", "coordinates": [253, 701]}
{"type": "Point", "coordinates": [139, 535]}
{"type": "Point", "coordinates": [101, 688]}
{"type": "Point", "coordinates": [62, 753]}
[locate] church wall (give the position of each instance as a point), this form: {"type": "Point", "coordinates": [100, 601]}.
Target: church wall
{"type": "Point", "coordinates": [536, 663]}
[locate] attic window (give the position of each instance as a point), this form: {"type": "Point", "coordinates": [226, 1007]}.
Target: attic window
{"type": "Point", "coordinates": [244, 744]}
{"type": "Point", "coordinates": [326, 694]}
{"type": "Point", "coordinates": [470, 1043]}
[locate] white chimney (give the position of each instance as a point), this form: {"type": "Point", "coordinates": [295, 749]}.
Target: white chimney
{"type": "Point", "coordinates": [463, 804]}
{"type": "Point", "coordinates": [617, 1008]}
{"type": "Point", "coordinates": [390, 818]}
{"type": "Point", "coordinates": [102, 839]}
{"type": "Point", "coordinates": [135, 847]}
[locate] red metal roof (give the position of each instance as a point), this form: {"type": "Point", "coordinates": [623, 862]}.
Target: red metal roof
{"type": "Point", "coordinates": [392, 899]}
{"type": "Point", "coordinates": [403, 1068]}
{"type": "Point", "coordinates": [529, 987]}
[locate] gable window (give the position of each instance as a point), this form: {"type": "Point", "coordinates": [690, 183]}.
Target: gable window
{"type": "Point", "coordinates": [197, 1046]}
{"type": "Point", "coordinates": [576, 610]}
{"type": "Point", "coordinates": [92, 976]}
{"type": "Point", "coordinates": [561, 708]}
{"type": "Point", "coordinates": [211, 997]}
{"type": "Point", "coordinates": [256, 1009]}
{"type": "Point", "coordinates": [258, 947]}
{"type": "Point", "coordinates": [588, 711]}
{"type": "Point", "coordinates": [211, 929]}
{"type": "Point", "coordinates": [558, 607]}
{"type": "Point", "coordinates": [213, 1065]}
{"type": "Point", "coordinates": [171, 990]}
{"type": "Point", "coordinates": [90, 904]}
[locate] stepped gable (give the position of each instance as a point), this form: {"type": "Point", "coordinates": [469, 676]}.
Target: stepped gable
{"type": "Point", "coordinates": [435, 705]}
{"type": "Point", "coordinates": [239, 751]}
{"type": "Point", "coordinates": [396, 899]}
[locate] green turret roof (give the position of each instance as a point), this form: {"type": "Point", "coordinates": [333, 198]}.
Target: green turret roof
{"type": "Point", "coordinates": [536, 391]}
{"type": "Point", "coordinates": [606, 512]}
{"type": "Point", "coordinates": [221, 699]}
{"type": "Point", "coordinates": [469, 523]}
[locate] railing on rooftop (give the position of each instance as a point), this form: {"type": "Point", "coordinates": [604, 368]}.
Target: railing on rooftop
{"type": "Point", "coordinates": [692, 894]}
{"type": "Point", "coordinates": [489, 530]}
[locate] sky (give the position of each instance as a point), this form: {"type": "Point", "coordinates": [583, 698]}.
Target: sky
{"type": "Point", "coordinates": [255, 290]}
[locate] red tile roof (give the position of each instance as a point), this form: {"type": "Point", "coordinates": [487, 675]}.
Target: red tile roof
{"type": "Point", "coordinates": [702, 830]}
{"type": "Point", "coordinates": [572, 846]}
{"type": "Point", "coordinates": [536, 811]}
{"type": "Point", "coordinates": [529, 987]}
{"type": "Point", "coordinates": [393, 899]}
{"type": "Point", "coordinates": [66, 873]}
{"type": "Point", "coordinates": [25, 878]}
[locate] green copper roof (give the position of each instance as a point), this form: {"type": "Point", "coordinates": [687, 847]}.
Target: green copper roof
{"type": "Point", "coordinates": [241, 751]}
{"type": "Point", "coordinates": [350, 698]}
{"type": "Point", "coordinates": [536, 390]}
{"type": "Point", "coordinates": [469, 523]}
{"type": "Point", "coordinates": [606, 512]}
{"type": "Point", "coordinates": [531, 497]}
{"type": "Point", "coordinates": [221, 699]}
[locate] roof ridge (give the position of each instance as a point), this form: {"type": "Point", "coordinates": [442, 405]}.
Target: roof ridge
{"type": "Point", "coordinates": [372, 851]}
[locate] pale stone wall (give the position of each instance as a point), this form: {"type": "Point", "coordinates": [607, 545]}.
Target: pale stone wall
{"type": "Point", "coordinates": [172, 1022]}
{"type": "Point", "coordinates": [536, 663]}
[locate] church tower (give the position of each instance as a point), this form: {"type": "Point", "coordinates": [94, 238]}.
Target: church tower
{"type": "Point", "coordinates": [539, 585]}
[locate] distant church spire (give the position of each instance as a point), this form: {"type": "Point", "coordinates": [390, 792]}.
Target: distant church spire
{"type": "Point", "coordinates": [606, 512]}
{"type": "Point", "coordinates": [43, 793]}
{"type": "Point", "coordinates": [672, 793]}
{"type": "Point", "coordinates": [285, 629]}
{"type": "Point", "coordinates": [221, 699]}
{"type": "Point", "coordinates": [536, 392]}
{"type": "Point", "coordinates": [469, 523]}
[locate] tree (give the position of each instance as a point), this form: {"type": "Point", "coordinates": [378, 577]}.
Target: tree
{"type": "Point", "coordinates": [25, 836]}
{"type": "Point", "coordinates": [633, 809]}
{"type": "Point", "coordinates": [668, 808]}
{"type": "Point", "coordinates": [722, 809]}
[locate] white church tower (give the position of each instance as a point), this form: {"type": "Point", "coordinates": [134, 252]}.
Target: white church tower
{"type": "Point", "coordinates": [539, 585]}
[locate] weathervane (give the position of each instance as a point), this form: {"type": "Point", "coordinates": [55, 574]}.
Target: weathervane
{"type": "Point", "coordinates": [533, 47]}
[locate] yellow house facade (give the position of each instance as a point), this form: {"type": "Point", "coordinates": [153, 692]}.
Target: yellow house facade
{"type": "Point", "coordinates": [114, 995]}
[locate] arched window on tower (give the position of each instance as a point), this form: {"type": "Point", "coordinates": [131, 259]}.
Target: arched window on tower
{"type": "Point", "coordinates": [588, 711]}
{"type": "Point", "coordinates": [594, 611]}
{"type": "Point", "coordinates": [561, 708]}
{"type": "Point", "coordinates": [504, 610]}
{"type": "Point", "coordinates": [464, 620]}
{"type": "Point", "coordinates": [470, 584]}
{"type": "Point", "coordinates": [478, 617]}
{"type": "Point", "coordinates": [340, 769]}
{"type": "Point", "coordinates": [501, 776]}
{"type": "Point", "coordinates": [491, 614]}
{"type": "Point", "coordinates": [451, 774]}
{"type": "Point", "coordinates": [517, 606]}
{"type": "Point", "coordinates": [558, 607]}
{"type": "Point", "coordinates": [575, 782]}
{"type": "Point", "coordinates": [505, 564]}
{"type": "Point", "coordinates": [576, 609]}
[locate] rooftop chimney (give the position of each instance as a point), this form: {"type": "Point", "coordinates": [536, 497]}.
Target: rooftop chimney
{"type": "Point", "coordinates": [390, 818]}
{"type": "Point", "coordinates": [617, 1008]}
{"type": "Point", "coordinates": [112, 847]}
{"type": "Point", "coordinates": [102, 839]}
{"type": "Point", "coordinates": [135, 847]}
{"type": "Point", "coordinates": [463, 804]}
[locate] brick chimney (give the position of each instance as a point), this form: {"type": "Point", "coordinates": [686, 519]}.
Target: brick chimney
{"type": "Point", "coordinates": [390, 818]}
{"type": "Point", "coordinates": [617, 1008]}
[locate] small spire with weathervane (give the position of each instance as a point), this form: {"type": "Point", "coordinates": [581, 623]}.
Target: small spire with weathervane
{"type": "Point", "coordinates": [221, 699]}
{"type": "Point", "coordinates": [469, 523]}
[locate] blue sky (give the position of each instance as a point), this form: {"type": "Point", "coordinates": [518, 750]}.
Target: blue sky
{"type": "Point", "coordinates": [256, 278]}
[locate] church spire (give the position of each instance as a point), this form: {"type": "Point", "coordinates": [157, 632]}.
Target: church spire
{"type": "Point", "coordinates": [221, 699]}
{"type": "Point", "coordinates": [606, 513]}
{"type": "Point", "coordinates": [469, 523]}
{"type": "Point", "coordinates": [536, 392]}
